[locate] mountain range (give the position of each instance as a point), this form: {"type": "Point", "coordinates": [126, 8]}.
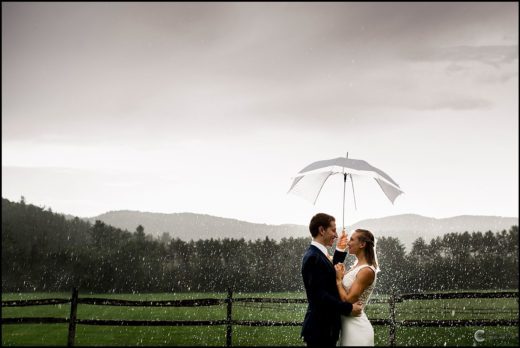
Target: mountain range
{"type": "Point", "coordinates": [406, 227]}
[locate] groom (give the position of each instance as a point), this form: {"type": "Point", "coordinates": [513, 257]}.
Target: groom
{"type": "Point", "coordinates": [322, 321]}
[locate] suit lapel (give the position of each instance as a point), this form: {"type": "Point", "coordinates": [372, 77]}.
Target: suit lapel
{"type": "Point", "coordinates": [323, 257]}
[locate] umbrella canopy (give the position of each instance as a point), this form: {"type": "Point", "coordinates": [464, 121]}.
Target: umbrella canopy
{"type": "Point", "coordinates": [310, 180]}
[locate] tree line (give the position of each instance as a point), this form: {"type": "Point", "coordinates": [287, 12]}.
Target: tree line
{"type": "Point", "coordinates": [44, 251]}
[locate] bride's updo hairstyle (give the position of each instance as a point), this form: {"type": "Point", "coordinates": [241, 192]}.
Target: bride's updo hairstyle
{"type": "Point", "coordinates": [370, 248]}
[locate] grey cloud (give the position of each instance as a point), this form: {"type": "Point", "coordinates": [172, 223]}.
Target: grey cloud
{"type": "Point", "coordinates": [457, 104]}
{"type": "Point", "coordinates": [455, 68]}
{"type": "Point", "coordinates": [496, 55]}
{"type": "Point", "coordinates": [397, 28]}
{"type": "Point", "coordinates": [498, 78]}
{"type": "Point", "coordinates": [98, 71]}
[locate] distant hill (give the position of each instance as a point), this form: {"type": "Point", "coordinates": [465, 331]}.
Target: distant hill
{"type": "Point", "coordinates": [407, 227]}
{"type": "Point", "coordinates": [187, 226]}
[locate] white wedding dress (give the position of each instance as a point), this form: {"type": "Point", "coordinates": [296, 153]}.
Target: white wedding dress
{"type": "Point", "coordinates": [357, 331]}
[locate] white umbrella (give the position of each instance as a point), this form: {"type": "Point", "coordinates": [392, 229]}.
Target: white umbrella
{"type": "Point", "coordinates": [310, 180]}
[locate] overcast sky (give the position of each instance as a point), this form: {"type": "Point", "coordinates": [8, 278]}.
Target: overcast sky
{"type": "Point", "coordinates": [213, 107]}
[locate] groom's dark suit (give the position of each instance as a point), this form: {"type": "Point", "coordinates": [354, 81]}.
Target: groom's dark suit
{"type": "Point", "coordinates": [322, 321]}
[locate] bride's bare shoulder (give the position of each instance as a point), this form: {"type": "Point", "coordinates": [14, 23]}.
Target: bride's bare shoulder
{"type": "Point", "coordinates": [366, 274]}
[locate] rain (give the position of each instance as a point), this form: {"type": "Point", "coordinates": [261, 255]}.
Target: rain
{"type": "Point", "coordinates": [116, 263]}
{"type": "Point", "coordinates": [150, 153]}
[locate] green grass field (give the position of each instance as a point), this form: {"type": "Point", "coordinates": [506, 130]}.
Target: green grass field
{"type": "Point", "coordinates": [56, 334]}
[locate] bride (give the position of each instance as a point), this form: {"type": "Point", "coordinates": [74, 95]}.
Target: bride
{"type": "Point", "coordinates": [356, 285]}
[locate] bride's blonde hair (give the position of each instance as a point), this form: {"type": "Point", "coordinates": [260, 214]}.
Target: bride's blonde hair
{"type": "Point", "coordinates": [370, 247]}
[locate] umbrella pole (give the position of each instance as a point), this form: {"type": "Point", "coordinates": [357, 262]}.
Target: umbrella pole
{"type": "Point", "coordinates": [344, 185]}
{"type": "Point", "coordinates": [353, 193]}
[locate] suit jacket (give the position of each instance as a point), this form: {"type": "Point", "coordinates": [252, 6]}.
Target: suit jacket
{"type": "Point", "coordinates": [322, 321]}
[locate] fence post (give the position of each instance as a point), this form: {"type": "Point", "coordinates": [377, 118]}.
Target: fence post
{"type": "Point", "coordinates": [392, 319]}
{"type": "Point", "coordinates": [229, 327]}
{"type": "Point", "coordinates": [72, 320]}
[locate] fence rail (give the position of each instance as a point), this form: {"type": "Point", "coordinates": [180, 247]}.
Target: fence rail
{"type": "Point", "coordinates": [72, 320]}
{"type": "Point", "coordinates": [176, 303]}
{"type": "Point", "coordinates": [456, 295]}
{"type": "Point", "coordinates": [44, 302]}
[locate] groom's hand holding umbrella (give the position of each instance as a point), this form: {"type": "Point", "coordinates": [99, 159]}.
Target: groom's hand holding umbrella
{"type": "Point", "coordinates": [342, 242]}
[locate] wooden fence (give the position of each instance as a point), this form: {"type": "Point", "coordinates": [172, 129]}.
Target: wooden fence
{"type": "Point", "coordinates": [229, 322]}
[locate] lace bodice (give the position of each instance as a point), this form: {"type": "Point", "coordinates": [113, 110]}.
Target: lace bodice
{"type": "Point", "coordinates": [350, 276]}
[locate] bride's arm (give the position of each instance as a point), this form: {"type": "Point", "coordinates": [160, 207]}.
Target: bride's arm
{"type": "Point", "coordinates": [343, 294]}
{"type": "Point", "coordinates": [340, 272]}
{"type": "Point", "coordinates": [364, 278]}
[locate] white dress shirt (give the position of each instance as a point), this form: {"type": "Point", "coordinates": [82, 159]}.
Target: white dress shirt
{"type": "Point", "coordinates": [324, 249]}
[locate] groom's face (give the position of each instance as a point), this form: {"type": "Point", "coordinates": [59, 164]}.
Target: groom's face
{"type": "Point", "coordinates": [329, 234]}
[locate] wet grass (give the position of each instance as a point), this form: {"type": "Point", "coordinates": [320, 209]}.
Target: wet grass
{"type": "Point", "coordinates": [56, 334]}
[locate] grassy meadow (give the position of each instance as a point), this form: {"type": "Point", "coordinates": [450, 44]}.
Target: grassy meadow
{"type": "Point", "coordinates": [90, 335]}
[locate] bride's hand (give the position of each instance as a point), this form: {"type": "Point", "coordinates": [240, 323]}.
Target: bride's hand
{"type": "Point", "coordinates": [340, 271]}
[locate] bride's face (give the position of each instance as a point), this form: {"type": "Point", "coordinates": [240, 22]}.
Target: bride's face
{"type": "Point", "coordinates": [354, 245]}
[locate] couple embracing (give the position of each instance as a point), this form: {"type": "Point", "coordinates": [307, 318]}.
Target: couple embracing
{"type": "Point", "coordinates": [337, 297]}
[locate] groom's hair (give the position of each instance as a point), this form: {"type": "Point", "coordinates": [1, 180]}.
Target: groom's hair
{"type": "Point", "coordinates": [320, 219]}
